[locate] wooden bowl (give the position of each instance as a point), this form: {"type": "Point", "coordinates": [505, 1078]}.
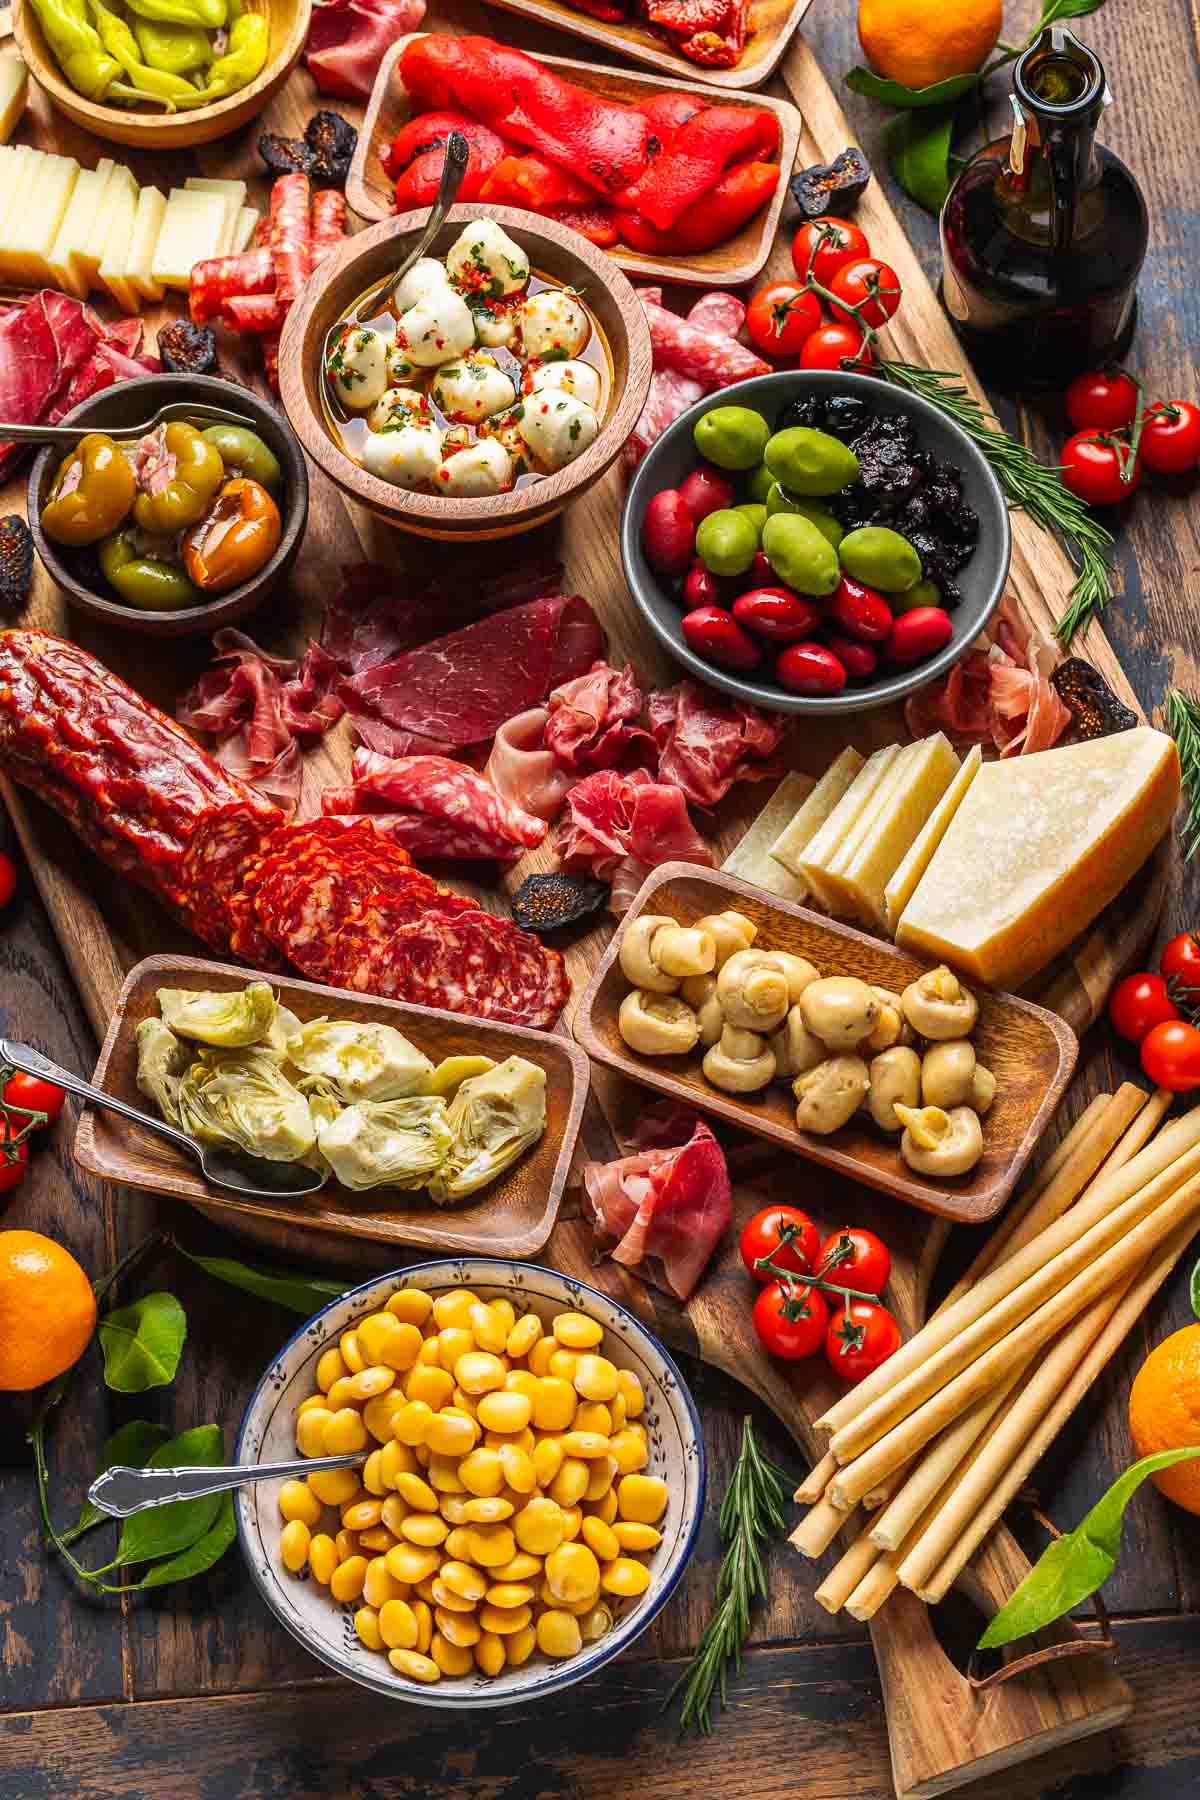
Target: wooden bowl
{"type": "Point", "coordinates": [1030, 1051]}
{"type": "Point", "coordinates": [512, 1217]}
{"type": "Point", "coordinates": [553, 251]}
{"type": "Point", "coordinates": [147, 130]}
{"type": "Point", "coordinates": [126, 404]}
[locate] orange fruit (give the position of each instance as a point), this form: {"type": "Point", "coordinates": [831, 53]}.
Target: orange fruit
{"type": "Point", "coordinates": [1164, 1412]}
{"type": "Point", "coordinates": [917, 42]}
{"type": "Point", "coordinates": [47, 1310]}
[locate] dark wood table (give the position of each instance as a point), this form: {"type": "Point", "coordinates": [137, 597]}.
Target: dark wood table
{"type": "Point", "coordinates": [195, 1694]}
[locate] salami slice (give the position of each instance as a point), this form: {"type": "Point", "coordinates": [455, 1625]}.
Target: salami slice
{"type": "Point", "coordinates": [221, 851]}
{"type": "Point", "coordinates": [715, 361]}
{"type": "Point", "coordinates": [328, 222]}
{"type": "Point", "coordinates": [436, 808]}
{"type": "Point", "coordinates": [723, 314]}
{"type": "Point", "coordinates": [223, 277]}
{"type": "Point", "coordinates": [291, 236]}
{"type": "Point", "coordinates": [468, 965]}
{"type": "Point", "coordinates": [669, 398]}
{"type": "Point", "coordinates": [262, 314]}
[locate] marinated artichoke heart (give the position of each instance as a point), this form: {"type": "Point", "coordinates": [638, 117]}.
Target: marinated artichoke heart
{"type": "Point", "coordinates": [392, 1143]}
{"type": "Point", "coordinates": [284, 1025]}
{"type": "Point", "coordinates": [452, 1071]}
{"type": "Point", "coordinates": [494, 1117]}
{"type": "Point", "coordinates": [230, 1021]}
{"type": "Point", "coordinates": [362, 1061]}
{"type": "Point", "coordinates": [162, 1063]}
{"type": "Point", "coordinates": [324, 1101]}
{"type": "Point", "coordinates": [242, 1097]}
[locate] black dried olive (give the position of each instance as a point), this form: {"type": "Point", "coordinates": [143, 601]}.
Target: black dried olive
{"type": "Point", "coordinates": [550, 902]}
{"type": "Point", "coordinates": [285, 156]}
{"type": "Point", "coordinates": [834, 187]}
{"type": "Point", "coordinates": [1095, 710]}
{"type": "Point", "coordinates": [188, 349]}
{"type": "Point", "coordinates": [331, 142]}
{"type": "Point", "coordinates": [16, 562]}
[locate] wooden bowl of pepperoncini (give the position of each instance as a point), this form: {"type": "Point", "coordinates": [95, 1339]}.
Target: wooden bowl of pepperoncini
{"type": "Point", "coordinates": [153, 127]}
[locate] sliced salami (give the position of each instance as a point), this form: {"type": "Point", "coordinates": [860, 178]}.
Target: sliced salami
{"type": "Point", "coordinates": [291, 235]}
{"type": "Point", "coordinates": [715, 361]}
{"type": "Point", "coordinates": [723, 314]}
{"type": "Point", "coordinates": [328, 222]}
{"type": "Point", "coordinates": [262, 314]}
{"type": "Point", "coordinates": [221, 278]}
{"type": "Point", "coordinates": [221, 852]}
{"type": "Point", "coordinates": [435, 808]}
{"type": "Point", "coordinates": [467, 965]}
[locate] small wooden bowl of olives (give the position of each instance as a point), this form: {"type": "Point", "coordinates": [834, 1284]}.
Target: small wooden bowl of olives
{"type": "Point", "coordinates": [209, 525]}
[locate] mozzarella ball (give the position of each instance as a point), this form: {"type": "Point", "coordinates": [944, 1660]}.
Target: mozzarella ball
{"type": "Point", "coordinates": [495, 325]}
{"type": "Point", "coordinates": [436, 329]}
{"type": "Point", "coordinates": [483, 468]}
{"type": "Point", "coordinates": [557, 428]}
{"type": "Point", "coordinates": [472, 389]}
{"type": "Point", "coordinates": [485, 260]}
{"type": "Point", "coordinates": [553, 323]}
{"type": "Point", "coordinates": [406, 458]}
{"type": "Point", "coordinates": [399, 406]}
{"type": "Point", "coordinates": [357, 367]}
{"type": "Point", "coordinates": [578, 378]}
{"type": "Point", "coordinates": [427, 276]}
{"type": "Point", "coordinates": [402, 370]}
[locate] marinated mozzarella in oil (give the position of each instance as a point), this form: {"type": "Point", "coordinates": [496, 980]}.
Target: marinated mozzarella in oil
{"type": "Point", "coordinates": [399, 406]}
{"type": "Point", "coordinates": [437, 329]}
{"type": "Point", "coordinates": [557, 428]}
{"type": "Point", "coordinates": [358, 367]}
{"type": "Point", "coordinates": [553, 323]}
{"type": "Point", "coordinates": [483, 259]}
{"type": "Point", "coordinates": [483, 468]}
{"type": "Point", "coordinates": [406, 457]}
{"type": "Point", "coordinates": [578, 378]}
{"type": "Point", "coordinates": [427, 276]}
{"type": "Point", "coordinates": [472, 389]}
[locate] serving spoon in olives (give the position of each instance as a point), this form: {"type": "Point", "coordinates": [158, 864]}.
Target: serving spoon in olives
{"type": "Point", "coordinates": [70, 435]}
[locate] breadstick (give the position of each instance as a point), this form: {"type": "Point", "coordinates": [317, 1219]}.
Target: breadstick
{"type": "Point", "coordinates": [934, 1469]}
{"type": "Point", "coordinates": [817, 1480]}
{"type": "Point", "coordinates": [882, 1579]}
{"type": "Point", "coordinates": [819, 1526]}
{"type": "Point", "coordinates": [845, 1575]}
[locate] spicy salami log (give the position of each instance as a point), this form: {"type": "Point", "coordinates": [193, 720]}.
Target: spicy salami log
{"type": "Point", "coordinates": [291, 236]}
{"type": "Point", "coordinates": [222, 278]}
{"type": "Point", "coordinates": [260, 313]}
{"type": "Point", "coordinates": [328, 222]}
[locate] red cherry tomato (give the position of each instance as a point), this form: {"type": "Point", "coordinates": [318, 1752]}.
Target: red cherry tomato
{"type": "Point", "coordinates": [1170, 442]}
{"type": "Point", "coordinates": [810, 668]}
{"type": "Point", "coordinates": [820, 248]}
{"type": "Point", "coordinates": [1102, 400]}
{"type": "Point", "coordinates": [874, 287]}
{"type": "Point", "coordinates": [704, 491]}
{"type": "Point", "coordinates": [855, 1258]}
{"type": "Point", "coordinates": [1171, 1056]}
{"type": "Point", "coordinates": [855, 1345]}
{"type": "Point", "coordinates": [790, 1338]}
{"type": "Point", "coordinates": [1180, 959]}
{"type": "Point", "coordinates": [836, 346]}
{"type": "Point", "coordinates": [762, 1235]}
{"type": "Point", "coordinates": [918, 634]}
{"type": "Point", "coordinates": [716, 635]}
{"type": "Point", "coordinates": [860, 661]}
{"type": "Point", "coordinates": [1091, 469]}
{"type": "Point", "coordinates": [700, 587]}
{"type": "Point", "coordinates": [8, 879]}
{"type": "Point", "coordinates": [27, 1094]}
{"type": "Point", "coordinates": [1139, 1003]}
{"type": "Point", "coordinates": [14, 1160]}
{"type": "Point", "coordinates": [668, 533]}
{"type": "Point", "coordinates": [781, 317]}
{"type": "Point", "coordinates": [776, 614]}
{"type": "Point", "coordinates": [860, 610]}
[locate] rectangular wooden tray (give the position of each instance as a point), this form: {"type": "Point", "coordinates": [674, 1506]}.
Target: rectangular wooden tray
{"type": "Point", "coordinates": [513, 1217]}
{"type": "Point", "coordinates": [739, 259]}
{"type": "Point", "coordinates": [1030, 1051]}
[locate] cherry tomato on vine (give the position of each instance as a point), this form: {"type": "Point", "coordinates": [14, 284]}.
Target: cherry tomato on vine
{"type": "Point", "coordinates": [1170, 441]}
{"type": "Point", "coordinates": [872, 286]}
{"type": "Point", "coordinates": [1139, 1003]}
{"type": "Point", "coordinates": [781, 317]}
{"type": "Point", "coordinates": [1101, 400]}
{"type": "Point", "coordinates": [1180, 960]}
{"type": "Point", "coordinates": [790, 1338]}
{"type": "Point", "coordinates": [855, 1258]}
{"type": "Point", "coordinates": [762, 1236]}
{"type": "Point", "coordinates": [14, 1160]}
{"type": "Point", "coordinates": [8, 879]}
{"type": "Point", "coordinates": [829, 345]}
{"type": "Point", "coordinates": [856, 1345]}
{"type": "Point", "coordinates": [834, 241]}
{"type": "Point", "coordinates": [1091, 469]}
{"type": "Point", "coordinates": [1171, 1056]}
{"type": "Point", "coordinates": [27, 1094]}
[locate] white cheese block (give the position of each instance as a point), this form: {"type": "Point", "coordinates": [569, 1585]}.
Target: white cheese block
{"type": "Point", "coordinates": [899, 890]}
{"type": "Point", "coordinates": [147, 224]}
{"type": "Point", "coordinates": [244, 230]}
{"type": "Point", "coordinates": [192, 231]}
{"type": "Point", "coordinates": [92, 253]}
{"type": "Point", "coordinates": [66, 259]}
{"type": "Point", "coordinates": [234, 195]}
{"type": "Point", "coordinates": [32, 236]}
{"type": "Point", "coordinates": [15, 173]}
{"type": "Point", "coordinates": [15, 227]}
{"type": "Point", "coordinates": [122, 200]}
{"type": "Point", "coordinates": [809, 863]}
{"type": "Point", "coordinates": [751, 857]}
{"type": "Point", "coordinates": [930, 769]}
{"type": "Point", "coordinates": [14, 91]}
{"type": "Point", "coordinates": [1037, 849]}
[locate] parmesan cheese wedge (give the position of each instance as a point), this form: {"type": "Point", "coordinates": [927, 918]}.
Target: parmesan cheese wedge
{"type": "Point", "coordinates": [122, 203]}
{"type": "Point", "coordinates": [1038, 847]}
{"type": "Point", "coordinates": [147, 224]}
{"type": "Point", "coordinates": [809, 862]}
{"type": "Point", "coordinates": [244, 230]}
{"type": "Point", "coordinates": [14, 92]}
{"type": "Point", "coordinates": [899, 890]}
{"type": "Point", "coordinates": [930, 770]}
{"type": "Point", "coordinates": [193, 229]}
{"type": "Point", "coordinates": [66, 260]}
{"type": "Point", "coordinates": [751, 857]}
{"type": "Point", "coordinates": [234, 195]}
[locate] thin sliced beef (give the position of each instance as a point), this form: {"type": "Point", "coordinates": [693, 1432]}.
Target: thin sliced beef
{"type": "Point", "coordinates": [375, 617]}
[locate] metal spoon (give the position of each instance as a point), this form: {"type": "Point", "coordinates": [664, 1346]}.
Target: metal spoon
{"type": "Point", "coordinates": [453, 169]}
{"type": "Point", "coordinates": [69, 435]}
{"type": "Point", "coordinates": [253, 1177]}
{"type": "Point", "coordinates": [120, 1491]}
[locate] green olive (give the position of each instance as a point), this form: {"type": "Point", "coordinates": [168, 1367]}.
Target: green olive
{"type": "Point", "coordinates": [780, 502]}
{"type": "Point", "coordinates": [880, 557]}
{"type": "Point", "coordinates": [244, 453]}
{"type": "Point", "coordinates": [756, 514]}
{"type": "Point", "coordinates": [726, 542]}
{"type": "Point", "coordinates": [733, 437]}
{"type": "Point", "coordinates": [924, 593]}
{"type": "Point", "coordinates": [801, 556]}
{"type": "Point", "coordinates": [760, 483]}
{"type": "Point", "coordinates": [810, 462]}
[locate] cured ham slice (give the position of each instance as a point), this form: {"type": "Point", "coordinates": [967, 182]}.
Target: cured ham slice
{"type": "Point", "coordinates": [663, 1211]}
{"type": "Point", "coordinates": [523, 771]}
{"type": "Point", "coordinates": [707, 742]}
{"type": "Point", "coordinates": [347, 40]}
{"type": "Point", "coordinates": [54, 353]}
{"type": "Point", "coordinates": [592, 722]}
{"type": "Point", "coordinates": [999, 694]}
{"type": "Point", "coordinates": [435, 809]}
{"type": "Point", "coordinates": [374, 618]}
{"type": "Point", "coordinates": [612, 818]}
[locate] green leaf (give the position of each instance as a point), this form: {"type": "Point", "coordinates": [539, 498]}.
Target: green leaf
{"type": "Point", "coordinates": [199, 1556]}
{"type": "Point", "coordinates": [1196, 1290]}
{"type": "Point", "coordinates": [301, 1293]}
{"type": "Point", "coordinates": [165, 1530]}
{"type": "Point", "coordinates": [129, 1448]}
{"type": "Point", "coordinates": [1054, 10]}
{"type": "Point", "coordinates": [894, 93]}
{"type": "Point", "coordinates": [142, 1343]}
{"type": "Point", "coordinates": [918, 148]}
{"type": "Point", "coordinates": [1076, 1565]}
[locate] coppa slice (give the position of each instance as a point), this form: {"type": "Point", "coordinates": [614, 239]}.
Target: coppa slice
{"type": "Point", "coordinates": [435, 808]}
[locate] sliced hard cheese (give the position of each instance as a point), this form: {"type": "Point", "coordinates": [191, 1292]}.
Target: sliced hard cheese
{"type": "Point", "coordinates": [234, 195]}
{"type": "Point", "coordinates": [867, 822]}
{"type": "Point", "coordinates": [899, 890]}
{"type": "Point", "coordinates": [751, 857]}
{"type": "Point", "coordinates": [1036, 851]}
{"type": "Point", "coordinates": [31, 238]}
{"type": "Point", "coordinates": [122, 203]}
{"type": "Point", "coordinates": [147, 224]}
{"type": "Point", "coordinates": [244, 230]}
{"type": "Point", "coordinates": [66, 259]}
{"type": "Point", "coordinates": [931, 767]}
{"type": "Point", "coordinates": [799, 831]}
{"type": "Point", "coordinates": [14, 91]}
{"type": "Point", "coordinates": [811, 863]}
{"type": "Point", "coordinates": [92, 254]}
{"type": "Point", "coordinates": [13, 207]}
{"type": "Point", "coordinates": [192, 231]}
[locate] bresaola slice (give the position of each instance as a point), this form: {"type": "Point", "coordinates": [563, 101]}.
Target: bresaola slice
{"type": "Point", "coordinates": [662, 1212]}
{"type": "Point", "coordinates": [374, 617]}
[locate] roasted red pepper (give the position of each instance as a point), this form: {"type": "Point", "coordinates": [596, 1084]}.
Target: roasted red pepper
{"type": "Point", "coordinates": [720, 49]}
{"type": "Point", "coordinates": [600, 9]}
{"type": "Point", "coordinates": [415, 156]}
{"type": "Point", "coordinates": [703, 149]}
{"type": "Point", "coordinates": [596, 223]}
{"type": "Point", "coordinates": [737, 197]}
{"type": "Point", "coordinates": [534, 183]}
{"type": "Point", "coordinates": [668, 114]}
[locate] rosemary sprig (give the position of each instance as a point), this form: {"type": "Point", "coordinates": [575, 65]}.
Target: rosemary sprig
{"type": "Point", "coordinates": [751, 1510]}
{"type": "Point", "coordinates": [1183, 723]}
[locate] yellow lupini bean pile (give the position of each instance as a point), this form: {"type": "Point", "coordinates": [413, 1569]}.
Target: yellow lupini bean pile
{"type": "Point", "coordinates": [503, 1506]}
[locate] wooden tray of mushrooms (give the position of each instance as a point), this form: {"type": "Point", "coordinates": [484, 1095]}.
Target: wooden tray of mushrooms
{"type": "Point", "coordinates": [840, 1047]}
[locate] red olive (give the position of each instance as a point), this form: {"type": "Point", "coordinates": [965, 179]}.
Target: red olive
{"type": "Point", "coordinates": [918, 634]}
{"type": "Point", "coordinates": [714, 634]}
{"type": "Point", "coordinates": [860, 610]}
{"type": "Point", "coordinates": [810, 668]}
{"type": "Point", "coordinates": [775, 613]}
{"type": "Point", "coordinates": [704, 491]}
{"type": "Point", "coordinates": [700, 587]}
{"type": "Point", "coordinates": [668, 533]}
{"type": "Point", "coordinates": [759, 574]}
{"type": "Point", "coordinates": [859, 660]}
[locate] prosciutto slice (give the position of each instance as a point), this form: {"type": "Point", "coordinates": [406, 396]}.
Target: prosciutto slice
{"type": "Point", "coordinates": [663, 1211]}
{"type": "Point", "coordinates": [707, 742]}
{"type": "Point", "coordinates": [523, 771]}
{"type": "Point", "coordinates": [347, 40]}
{"type": "Point", "coordinates": [56, 352]}
{"type": "Point", "coordinates": [592, 722]}
{"type": "Point", "coordinates": [999, 694]}
{"type": "Point", "coordinates": [613, 820]}
{"type": "Point", "coordinates": [435, 809]}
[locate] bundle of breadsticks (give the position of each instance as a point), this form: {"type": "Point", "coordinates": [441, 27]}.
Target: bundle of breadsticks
{"type": "Point", "coordinates": [925, 1454]}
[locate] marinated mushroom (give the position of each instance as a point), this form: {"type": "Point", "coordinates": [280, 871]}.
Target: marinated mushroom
{"type": "Point", "coordinates": [891, 1027]}
{"type": "Point", "coordinates": [753, 991]}
{"type": "Point", "coordinates": [731, 931]}
{"type": "Point", "coordinates": [799, 971]}
{"type": "Point", "coordinates": [680, 950]}
{"type": "Point", "coordinates": [841, 1010]}
{"type": "Point", "coordinates": [657, 1024]}
{"type": "Point", "coordinates": [948, 1073]}
{"type": "Point", "coordinates": [937, 1142]}
{"type": "Point", "coordinates": [895, 1080]}
{"type": "Point", "coordinates": [740, 1061]}
{"type": "Point", "coordinates": [796, 1049]}
{"type": "Point", "coordinates": [637, 959]}
{"type": "Point", "coordinates": [983, 1089]}
{"type": "Point", "coordinates": [938, 1006]}
{"type": "Point", "coordinates": [829, 1096]}
{"type": "Point", "coordinates": [700, 992]}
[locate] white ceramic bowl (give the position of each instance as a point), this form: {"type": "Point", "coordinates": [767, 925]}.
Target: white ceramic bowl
{"type": "Point", "coordinates": [267, 1434]}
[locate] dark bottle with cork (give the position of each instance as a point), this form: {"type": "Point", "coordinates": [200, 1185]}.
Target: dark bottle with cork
{"type": "Point", "coordinates": [1044, 232]}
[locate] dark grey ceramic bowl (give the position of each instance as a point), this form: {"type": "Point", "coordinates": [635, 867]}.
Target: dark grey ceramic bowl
{"type": "Point", "coordinates": [674, 456]}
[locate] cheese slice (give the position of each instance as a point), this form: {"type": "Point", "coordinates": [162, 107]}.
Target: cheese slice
{"type": "Point", "coordinates": [929, 772]}
{"type": "Point", "coordinates": [234, 195]}
{"type": "Point", "coordinates": [802, 827]}
{"type": "Point", "coordinates": [244, 230]}
{"type": "Point", "coordinates": [751, 858]}
{"type": "Point", "coordinates": [67, 268]}
{"type": "Point", "coordinates": [91, 254]}
{"type": "Point", "coordinates": [25, 173]}
{"type": "Point", "coordinates": [147, 224]}
{"type": "Point", "coordinates": [32, 237]}
{"type": "Point", "coordinates": [900, 888]}
{"type": "Point", "coordinates": [884, 797]}
{"type": "Point", "coordinates": [14, 91]}
{"type": "Point", "coordinates": [810, 863]}
{"type": "Point", "coordinates": [193, 229]}
{"type": "Point", "coordinates": [122, 202]}
{"type": "Point", "coordinates": [1037, 849]}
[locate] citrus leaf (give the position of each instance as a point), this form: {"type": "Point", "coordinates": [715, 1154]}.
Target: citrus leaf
{"type": "Point", "coordinates": [199, 1556]}
{"type": "Point", "coordinates": [918, 149]}
{"type": "Point", "coordinates": [894, 93]}
{"type": "Point", "coordinates": [142, 1343]}
{"type": "Point", "coordinates": [166, 1530]}
{"type": "Point", "coordinates": [1196, 1290]}
{"type": "Point", "coordinates": [129, 1448]}
{"type": "Point", "coordinates": [305, 1294]}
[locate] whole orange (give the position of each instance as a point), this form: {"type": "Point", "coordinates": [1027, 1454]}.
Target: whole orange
{"type": "Point", "coordinates": [917, 42]}
{"type": "Point", "coordinates": [47, 1310]}
{"type": "Point", "coordinates": [1164, 1412]}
